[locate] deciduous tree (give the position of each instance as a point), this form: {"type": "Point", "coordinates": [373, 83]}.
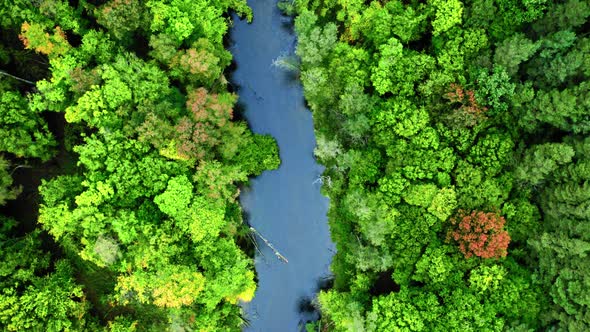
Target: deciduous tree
{"type": "Point", "coordinates": [480, 234]}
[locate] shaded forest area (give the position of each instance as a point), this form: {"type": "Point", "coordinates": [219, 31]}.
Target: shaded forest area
{"type": "Point", "coordinates": [120, 163]}
{"type": "Point", "coordinates": [455, 136]}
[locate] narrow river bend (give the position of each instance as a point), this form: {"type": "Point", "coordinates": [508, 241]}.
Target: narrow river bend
{"type": "Point", "coordinates": [284, 205]}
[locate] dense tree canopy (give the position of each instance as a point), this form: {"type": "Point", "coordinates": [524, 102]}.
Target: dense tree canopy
{"type": "Point", "coordinates": [454, 133]}
{"type": "Point", "coordinates": [141, 230]}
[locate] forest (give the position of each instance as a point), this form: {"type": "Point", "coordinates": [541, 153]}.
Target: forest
{"type": "Point", "coordinates": [455, 135]}
{"type": "Point", "coordinates": [117, 131]}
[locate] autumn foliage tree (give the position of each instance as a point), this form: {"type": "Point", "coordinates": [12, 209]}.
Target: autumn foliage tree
{"type": "Point", "coordinates": [469, 113]}
{"type": "Point", "coordinates": [481, 234]}
{"type": "Point", "coordinates": [210, 114]}
{"type": "Point", "coordinates": [201, 64]}
{"type": "Point", "coordinates": [34, 37]}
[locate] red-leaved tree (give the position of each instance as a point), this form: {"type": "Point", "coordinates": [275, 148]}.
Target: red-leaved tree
{"type": "Point", "coordinates": [469, 113]}
{"type": "Point", "coordinates": [481, 234]}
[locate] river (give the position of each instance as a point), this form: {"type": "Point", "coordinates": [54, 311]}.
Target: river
{"type": "Point", "coordinates": [284, 205]}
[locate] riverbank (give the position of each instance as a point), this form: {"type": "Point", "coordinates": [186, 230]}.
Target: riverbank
{"type": "Point", "coordinates": [284, 205]}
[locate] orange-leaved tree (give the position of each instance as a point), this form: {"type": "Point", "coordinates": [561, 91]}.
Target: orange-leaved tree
{"type": "Point", "coordinates": [481, 234]}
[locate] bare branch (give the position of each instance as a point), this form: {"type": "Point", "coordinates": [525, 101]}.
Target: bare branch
{"type": "Point", "coordinates": [19, 166]}
{"type": "Point", "coordinates": [16, 78]}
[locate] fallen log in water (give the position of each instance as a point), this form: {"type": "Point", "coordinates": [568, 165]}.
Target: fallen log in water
{"type": "Point", "coordinates": [277, 253]}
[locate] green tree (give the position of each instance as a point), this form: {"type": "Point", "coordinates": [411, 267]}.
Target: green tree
{"type": "Point", "coordinates": [446, 15]}
{"type": "Point", "coordinates": [563, 244]}
{"type": "Point", "coordinates": [7, 191]}
{"type": "Point", "coordinates": [23, 132]}
{"type": "Point", "coordinates": [121, 17]}
{"type": "Point", "coordinates": [513, 51]}
{"type": "Point", "coordinates": [565, 109]}
{"type": "Point", "coordinates": [314, 43]}
{"type": "Point", "coordinates": [397, 70]}
{"type": "Point", "coordinates": [541, 160]}
{"type": "Point", "coordinates": [35, 296]}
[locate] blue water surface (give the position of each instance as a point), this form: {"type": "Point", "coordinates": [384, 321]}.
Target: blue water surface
{"type": "Point", "coordinates": [284, 205]}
